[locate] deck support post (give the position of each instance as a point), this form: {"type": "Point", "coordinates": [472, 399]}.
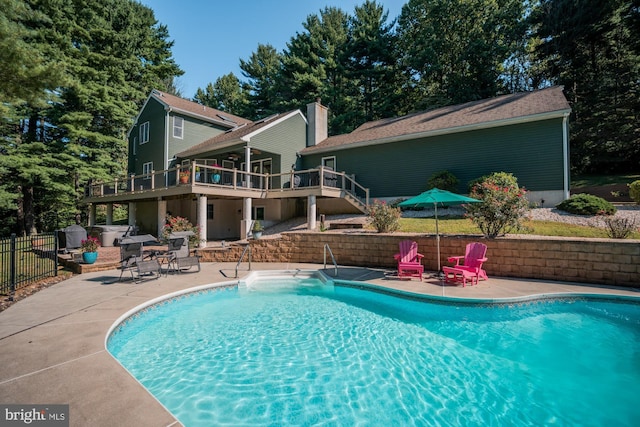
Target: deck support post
{"type": "Point", "coordinates": [132, 214]}
{"type": "Point", "coordinates": [109, 219]}
{"type": "Point", "coordinates": [92, 214]}
{"type": "Point", "coordinates": [162, 215]}
{"type": "Point", "coordinates": [311, 212]}
{"type": "Point", "coordinates": [246, 224]}
{"type": "Point", "coordinates": [202, 221]}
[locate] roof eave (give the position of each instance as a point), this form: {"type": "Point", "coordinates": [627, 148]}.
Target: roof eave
{"type": "Point", "coordinates": [446, 131]}
{"type": "Point", "coordinates": [247, 137]}
{"type": "Point", "coordinates": [217, 146]}
{"type": "Point", "coordinates": [202, 117]}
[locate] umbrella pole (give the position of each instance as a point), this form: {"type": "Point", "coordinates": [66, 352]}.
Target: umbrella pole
{"type": "Point", "coordinates": [435, 205]}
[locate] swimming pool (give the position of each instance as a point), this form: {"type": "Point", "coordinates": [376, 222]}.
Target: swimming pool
{"type": "Point", "coordinates": [305, 352]}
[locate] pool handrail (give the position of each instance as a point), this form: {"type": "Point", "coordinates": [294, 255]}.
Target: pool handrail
{"type": "Point", "coordinates": [247, 248]}
{"type": "Point", "coordinates": [335, 264]}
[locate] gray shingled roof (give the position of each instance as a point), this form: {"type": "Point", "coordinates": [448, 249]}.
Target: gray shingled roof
{"type": "Point", "coordinates": [233, 135]}
{"type": "Point", "coordinates": [514, 108]}
{"type": "Point", "coordinates": [195, 109]}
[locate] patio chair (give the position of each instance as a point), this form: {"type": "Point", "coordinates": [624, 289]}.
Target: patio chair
{"type": "Point", "coordinates": [471, 267]}
{"type": "Point", "coordinates": [409, 260]}
{"type": "Point", "coordinates": [132, 259]}
{"type": "Point", "coordinates": [178, 256]}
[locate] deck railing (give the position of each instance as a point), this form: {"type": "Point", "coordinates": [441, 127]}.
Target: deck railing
{"type": "Point", "coordinates": [196, 174]}
{"type": "Point", "coordinates": [319, 178]}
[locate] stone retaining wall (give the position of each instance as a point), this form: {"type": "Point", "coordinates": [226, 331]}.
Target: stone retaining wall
{"type": "Point", "coordinates": [598, 261]}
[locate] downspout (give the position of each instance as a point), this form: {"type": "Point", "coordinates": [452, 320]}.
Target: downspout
{"type": "Point", "coordinates": [565, 153]}
{"type": "Point", "coordinates": [166, 146]}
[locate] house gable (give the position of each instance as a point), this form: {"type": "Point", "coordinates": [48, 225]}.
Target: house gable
{"type": "Point", "coordinates": [279, 137]}
{"type": "Point", "coordinates": [153, 118]}
{"type": "Point", "coordinates": [285, 138]}
{"type": "Point", "coordinates": [159, 112]}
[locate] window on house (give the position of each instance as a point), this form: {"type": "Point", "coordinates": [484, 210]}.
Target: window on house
{"type": "Point", "coordinates": [329, 162]}
{"type": "Point", "coordinates": [208, 162]}
{"type": "Point", "coordinates": [258, 213]}
{"type": "Point", "coordinates": [146, 169]}
{"type": "Point", "coordinates": [178, 127]}
{"type": "Point", "coordinates": [144, 133]}
{"type": "Point", "coordinates": [261, 166]}
{"type": "Point", "coordinates": [210, 212]}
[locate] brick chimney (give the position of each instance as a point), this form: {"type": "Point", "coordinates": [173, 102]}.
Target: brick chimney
{"type": "Point", "coordinates": [318, 128]}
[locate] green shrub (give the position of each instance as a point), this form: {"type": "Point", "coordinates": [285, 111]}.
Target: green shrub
{"type": "Point", "coordinates": [587, 204]}
{"type": "Point", "coordinates": [619, 228]}
{"type": "Point", "coordinates": [178, 223]}
{"type": "Point", "coordinates": [501, 179]}
{"type": "Point", "coordinates": [634, 191]}
{"type": "Point", "coordinates": [444, 180]}
{"type": "Point", "coordinates": [504, 205]}
{"type": "Point", "coordinates": [383, 217]}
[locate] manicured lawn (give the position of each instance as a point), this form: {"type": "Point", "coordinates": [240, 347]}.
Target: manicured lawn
{"type": "Point", "coordinates": [595, 180]}
{"type": "Point", "coordinates": [465, 226]}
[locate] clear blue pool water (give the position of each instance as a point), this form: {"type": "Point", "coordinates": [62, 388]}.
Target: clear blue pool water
{"type": "Point", "coordinates": [303, 353]}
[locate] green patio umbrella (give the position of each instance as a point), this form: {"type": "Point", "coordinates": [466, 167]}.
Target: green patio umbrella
{"type": "Point", "coordinates": [434, 198]}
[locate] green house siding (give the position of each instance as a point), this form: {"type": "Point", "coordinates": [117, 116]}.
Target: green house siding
{"type": "Point", "coordinates": [153, 150]}
{"type": "Point", "coordinates": [285, 140]}
{"type": "Point", "coordinates": [531, 151]}
{"type": "Point", "coordinates": [194, 131]}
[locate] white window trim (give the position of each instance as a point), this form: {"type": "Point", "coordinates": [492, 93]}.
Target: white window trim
{"type": "Point", "coordinates": [176, 127]}
{"type": "Point", "coordinates": [261, 162]}
{"type": "Point", "coordinates": [207, 162]}
{"type": "Point", "coordinates": [335, 164]}
{"type": "Point", "coordinates": [144, 133]}
{"type": "Point", "coordinates": [147, 168]}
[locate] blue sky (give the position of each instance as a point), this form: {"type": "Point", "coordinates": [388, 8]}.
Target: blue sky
{"type": "Point", "coordinates": [211, 36]}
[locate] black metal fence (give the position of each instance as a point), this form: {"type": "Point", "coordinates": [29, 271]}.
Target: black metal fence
{"type": "Point", "coordinates": [24, 260]}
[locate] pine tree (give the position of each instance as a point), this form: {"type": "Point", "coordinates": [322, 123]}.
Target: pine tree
{"type": "Point", "coordinates": [314, 66]}
{"type": "Point", "coordinates": [226, 94]}
{"type": "Point", "coordinates": [372, 64]}
{"type": "Point", "coordinates": [592, 49]}
{"type": "Point", "coordinates": [455, 50]}
{"type": "Point", "coordinates": [111, 54]}
{"type": "Point", "coordinates": [263, 69]}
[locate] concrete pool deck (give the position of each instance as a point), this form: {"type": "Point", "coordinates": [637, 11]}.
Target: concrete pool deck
{"type": "Point", "coordinates": [52, 343]}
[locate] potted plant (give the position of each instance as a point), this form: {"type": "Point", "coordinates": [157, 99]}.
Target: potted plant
{"type": "Point", "coordinates": [215, 176]}
{"type": "Point", "coordinates": [184, 176]}
{"type": "Point", "coordinates": [257, 229]}
{"type": "Point", "coordinates": [89, 249]}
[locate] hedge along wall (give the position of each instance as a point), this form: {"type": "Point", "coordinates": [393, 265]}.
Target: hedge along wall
{"type": "Point", "coordinates": [597, 261]}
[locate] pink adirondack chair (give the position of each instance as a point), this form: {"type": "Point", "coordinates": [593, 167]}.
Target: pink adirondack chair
{"type": "Point", "coordinates": [409, 260]}
{"type": "Point", "coordinates": [470, 269]}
